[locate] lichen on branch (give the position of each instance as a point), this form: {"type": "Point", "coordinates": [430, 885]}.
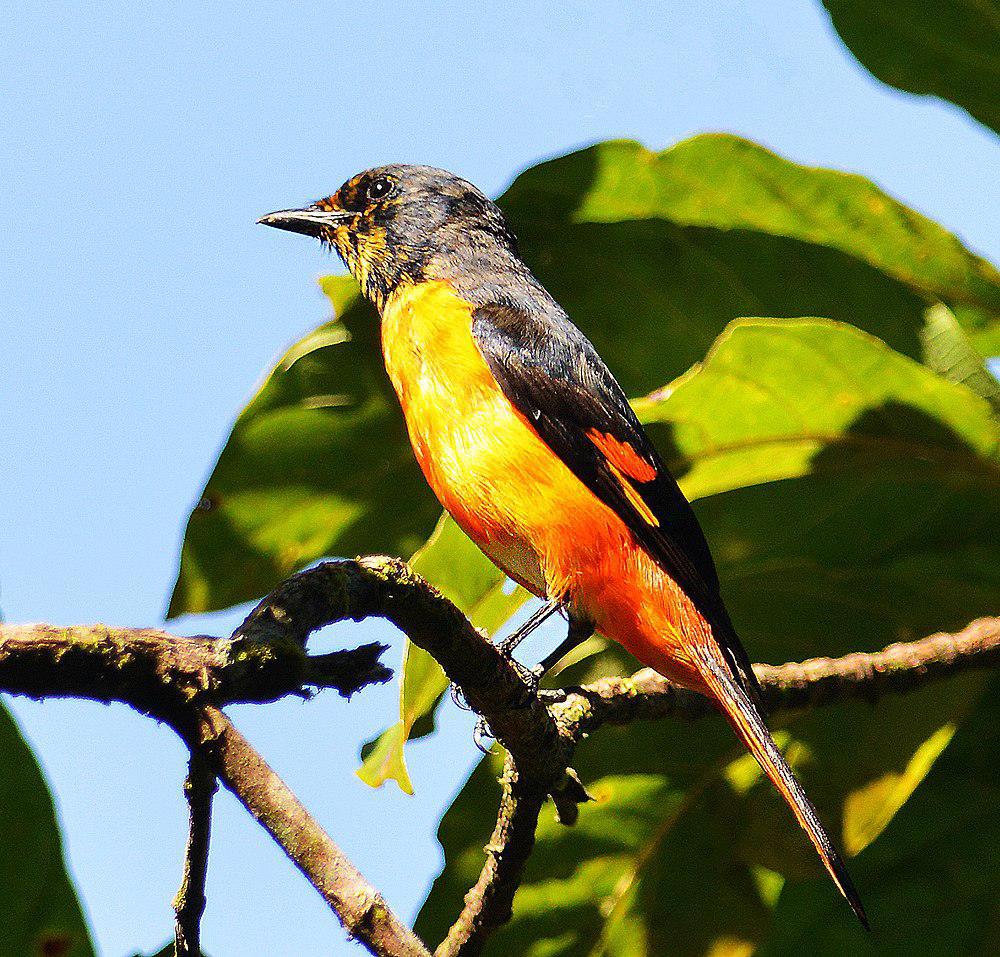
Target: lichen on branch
{"type": "Point", "coordinates": [185, 681]}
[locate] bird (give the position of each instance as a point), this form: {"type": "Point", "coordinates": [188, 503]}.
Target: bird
{"type": "Point", "coordinates": [530, 444]}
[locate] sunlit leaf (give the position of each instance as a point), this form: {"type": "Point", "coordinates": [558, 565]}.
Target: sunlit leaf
{"type": "Point", "coordinates": [384, 760]}
{"type": "Point", "coordinates": [772, 395]}
{"type": "Point", "coordinates": [948, 350]}
{"type": "Point", "coordinates": [718, 227]}
{"type": "Point", "coordinates": [652, 254]}
{"type": "Point", "coordinates": [882, 525]}
{"type": "Point", "coordinates": [869, 809]}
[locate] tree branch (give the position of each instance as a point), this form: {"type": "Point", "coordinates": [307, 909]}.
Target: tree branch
{"type": "Point", "coordinates": [488, 903]}
{"type": "Point", "coordinates": [155, 672]}
{"type": "Point", "coordinates": [361, 909]}
{"type": "Point", "coordinates": [189, 904]}
{"type": "Point", "coordinates": [186, 680]}
{"type": "Point", "coordinates": [492, 684]}
{"type": "Point", "coordinates": [896, 669]}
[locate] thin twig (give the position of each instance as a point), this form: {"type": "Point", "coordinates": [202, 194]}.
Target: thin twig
{"type": "Point", "coordinates": [488, 903]}
{"type": "Point", "coordinates": [189, 904]}
{"type": "Point", "coordinates": [361, 909]}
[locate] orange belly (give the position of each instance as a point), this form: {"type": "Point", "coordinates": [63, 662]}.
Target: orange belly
{"type": "Point", "coordinates": [512, 495]}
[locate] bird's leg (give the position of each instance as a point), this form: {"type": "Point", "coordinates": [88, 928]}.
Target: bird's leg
{"type": "Point", "coordinates": [580, 629]}
{"type": "Point", "coordinates": [506, 648]}
{"type": "Point", "coordinates": [510, 643]}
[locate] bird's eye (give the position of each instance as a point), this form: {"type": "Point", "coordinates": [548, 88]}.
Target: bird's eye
{"type": "Point", "coordinates": [379, 188]}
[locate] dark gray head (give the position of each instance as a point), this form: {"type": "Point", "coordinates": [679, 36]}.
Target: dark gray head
{"type": "Point", "coordinates": [403, 223]}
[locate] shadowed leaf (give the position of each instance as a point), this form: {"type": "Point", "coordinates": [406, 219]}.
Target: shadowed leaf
{"type": "Point", "coordinates": [950, 48]}
{"type": "Point", "coordinates": [930, 880]}
{"type": "Point", "coordinates": [317, 464]}
{"type": "Point", "coordinates": [41, 914]}
{"type": "Point", "coordinates": [652, 254]}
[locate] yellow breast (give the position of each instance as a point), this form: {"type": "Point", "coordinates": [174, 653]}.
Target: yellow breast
{"type": "Point", "coordinates": [512, 494]}
{"type": "Point", "coordinates": [430, 354]}
{"type": "Point", "coordinates": [468, 438]}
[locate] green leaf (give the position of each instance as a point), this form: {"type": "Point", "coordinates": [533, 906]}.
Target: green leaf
{"type": "Point", "coordinates": [41, 914]}
{"type": "Point", "coordinates": [950, 48]}
{"type": "Point", "coordinates": [657, 847]}
{"type": "Point", "coordinates": [930, 880]}
{"type": "Point", "coordinates": [773, 394]}
{"type": "Point", "coordinates": [466, 577]}
{"type": "Point", "coordinates": [383, 759]}
{"type": "Point", "coordinates": [718, 227]}
{"type": "Point", "coordinates": [948, 351]}
{"type": "Point", "coordinates": [317, 464]}
{"type": "Point", "coordinates": [839, 482]}
{"type": "Point", "coordinates": [851, 497]}
{"type": "Point", "coordinates": [870, 808]}
{"type": "Point", "coordinates": [712, 229]}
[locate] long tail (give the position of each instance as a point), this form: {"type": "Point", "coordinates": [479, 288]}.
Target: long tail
{"type": "Point", "coordinates": [746, 720]}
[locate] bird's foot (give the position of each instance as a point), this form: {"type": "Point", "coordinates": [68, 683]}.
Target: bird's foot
{"type": "Point", "coordinates": [532, 677]}
{"type": "Point", "coordinates": [458, 696]}
{"type": "Point", "coordinates": [481, 733]}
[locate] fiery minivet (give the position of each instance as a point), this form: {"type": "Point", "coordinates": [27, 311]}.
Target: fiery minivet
{"type": "Point", "coordinates": [531, 445]}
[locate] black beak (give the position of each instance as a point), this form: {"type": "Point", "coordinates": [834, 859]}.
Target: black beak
{"type": "Point", "coordinates": [311, 221]}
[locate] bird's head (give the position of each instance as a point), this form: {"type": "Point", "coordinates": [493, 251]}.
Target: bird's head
{"type": "Point", "coordinates": [398, 224]}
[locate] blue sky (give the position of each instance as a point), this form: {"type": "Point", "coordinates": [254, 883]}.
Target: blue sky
{"type": "Point", "coordinates": [140, 304]}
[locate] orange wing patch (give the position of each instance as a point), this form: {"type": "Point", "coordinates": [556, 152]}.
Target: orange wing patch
{"type": "Point", "coordinates": [634, 497]}
{"type": "Point", "coordinates": [622, 456]}
{"type": "Point", "coordinates": [626, 464]}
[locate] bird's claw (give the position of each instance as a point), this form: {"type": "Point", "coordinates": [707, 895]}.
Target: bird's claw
{"type": "Point", "coordinates": [530, 676]}
{"type": "Point", "coordinates": [480, 733]}
{"type": "Point", "coordinates": [482, 729]}
{"type": "Point", "coordinates": [458, 697]}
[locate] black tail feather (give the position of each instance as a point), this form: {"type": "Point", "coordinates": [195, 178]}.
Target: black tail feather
{"type": "Point", "coordinates": [745, 718]}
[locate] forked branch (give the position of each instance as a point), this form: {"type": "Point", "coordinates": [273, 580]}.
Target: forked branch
{"type": "Point", "coordinates": [186, 681]}
{"type": "Point", "coordinates": [361, 909]}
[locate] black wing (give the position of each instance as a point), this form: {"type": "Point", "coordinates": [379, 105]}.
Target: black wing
{"type": "Point", "coordinates": [553, 375]}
